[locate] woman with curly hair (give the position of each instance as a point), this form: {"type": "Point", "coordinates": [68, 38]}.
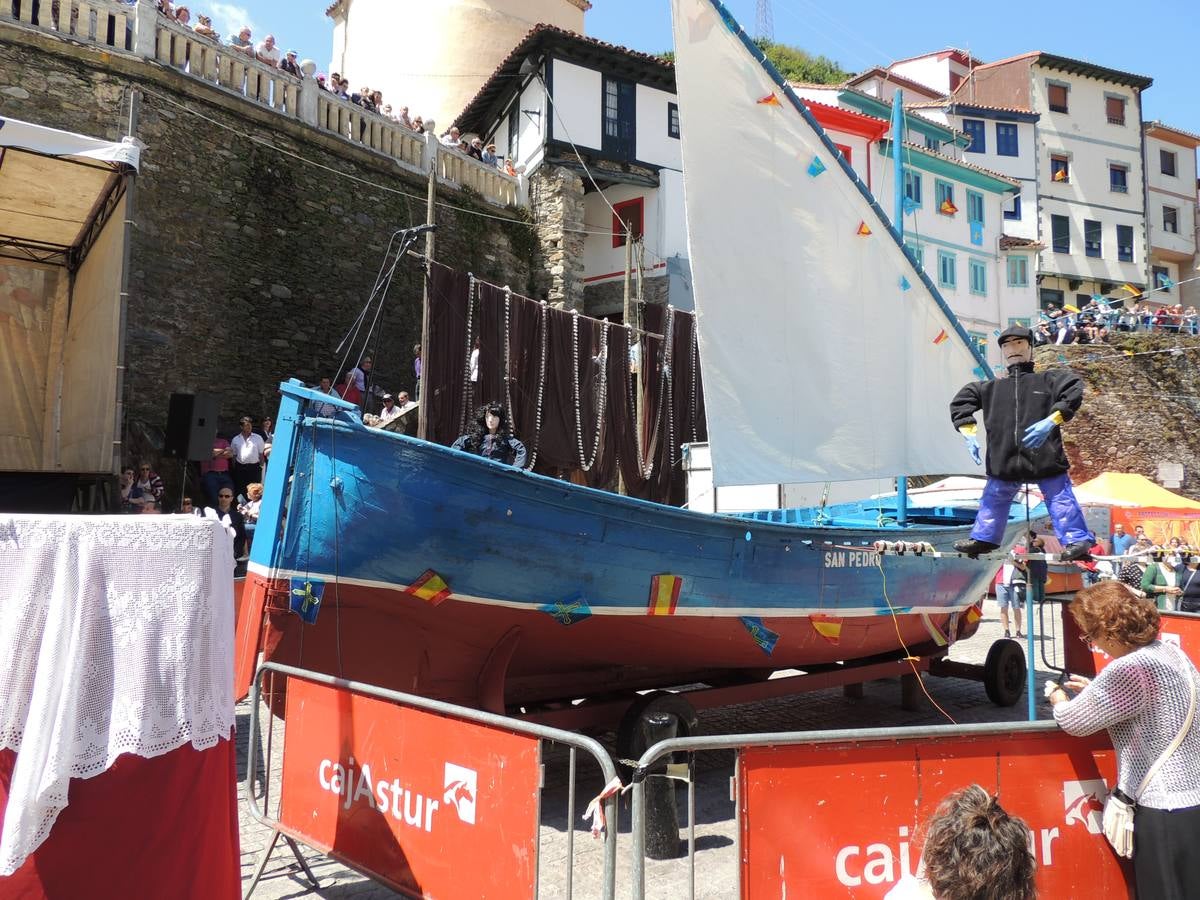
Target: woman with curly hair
{"type": "Point", "coordinates": [1146, 698]}
{"type": "Point", "coordinates": [491, 436]}
{"type": "Point", "coordinates": [974, 850]}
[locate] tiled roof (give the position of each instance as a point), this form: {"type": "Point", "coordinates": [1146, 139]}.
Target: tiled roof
{"type": "Point", "coordinates": [884, 74]}
{"type": "Point", "coordinates": [954, 100]}
{"type": "Point", "coordinates": [1011, 242]}
{"type": "Point", "coordinates": [502, 78]}
{"type": "Point", "coordinates": [1156, 125]}
{"type": "Point", "coordinates": [1076, 67]}
{"type": "Point", "coordinates": [333, 7]}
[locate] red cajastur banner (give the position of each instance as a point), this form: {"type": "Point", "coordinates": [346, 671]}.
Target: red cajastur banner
{"type": "Point", "coordinates": [850, 825]}
{"type": "Point", "coordinates": [1181, 629]}
{"type": "Point", "coordinates": [431, 806]}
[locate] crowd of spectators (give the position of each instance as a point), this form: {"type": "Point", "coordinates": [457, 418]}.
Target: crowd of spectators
{"type": "Point", "coordinates": [268, 53]}
{"type": "Point", "coordinates": [1095, 322]}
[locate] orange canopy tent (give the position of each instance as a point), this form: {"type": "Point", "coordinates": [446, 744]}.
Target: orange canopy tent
{"type": "Point", "coordinates": [1136, 500]}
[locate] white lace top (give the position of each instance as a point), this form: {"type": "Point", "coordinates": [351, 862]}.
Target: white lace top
{"type": "Point", "coordinates": [1142, 699]}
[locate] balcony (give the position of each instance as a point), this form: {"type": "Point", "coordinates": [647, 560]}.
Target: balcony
{"type": "Point", "coordinates": [139, 30]}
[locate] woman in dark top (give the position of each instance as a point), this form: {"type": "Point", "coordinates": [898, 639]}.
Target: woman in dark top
{"type": "Point", "coordinates": [1189, 581]}
{"type": "Point", "coordinates": [491, 436]}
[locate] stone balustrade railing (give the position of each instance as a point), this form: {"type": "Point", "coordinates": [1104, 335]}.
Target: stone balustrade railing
{"type": "Point", "coordinates": [136, 26]}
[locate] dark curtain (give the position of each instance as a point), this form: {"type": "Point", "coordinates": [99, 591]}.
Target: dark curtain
{"type": "Point", "coordinates": [583, 357]}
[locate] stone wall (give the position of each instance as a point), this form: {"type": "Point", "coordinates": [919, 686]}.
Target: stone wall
{"type": "Point", "coordinates": [1137, 411]}
{"type": "Point", "coordinates": [251, 253]}
{"type": "Point", "coordinates": [608, 299]}
{"type": "Point", "coordinates": [556, 195]}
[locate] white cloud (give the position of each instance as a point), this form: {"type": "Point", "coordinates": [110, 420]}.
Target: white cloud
{"type": "Point", "coordinates": [228, 19]}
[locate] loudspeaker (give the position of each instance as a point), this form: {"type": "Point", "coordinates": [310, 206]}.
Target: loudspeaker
{"type": "Point", "coordinates": [191, 426]}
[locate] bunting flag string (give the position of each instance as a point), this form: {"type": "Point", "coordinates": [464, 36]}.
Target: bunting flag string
{"type": "Point", "coordinates": [863, 229]}
{"type": "Point", "coordinates": [769, 100]}
{"type": "Point", "coordinates": [816, 167]}
{"type": "Point", "coordinates": [942, 337]}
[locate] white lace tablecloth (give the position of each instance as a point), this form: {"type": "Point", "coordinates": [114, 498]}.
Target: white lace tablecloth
{"type": "Point", "coordinates": [116, 636]}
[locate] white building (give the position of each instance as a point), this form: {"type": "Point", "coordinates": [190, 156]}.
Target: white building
{"type": "Point", "coordinates": [608, 115]}
{"type": "Point", "coordinates": [1171, 218]}
{"type": "Point", "coordinates": [433, 56]}
{"type": "Point", "coordinates": [1090, 177]}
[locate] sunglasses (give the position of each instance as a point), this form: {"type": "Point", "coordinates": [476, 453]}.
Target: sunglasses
{"type": "Point", "coordinates": [225, 496]}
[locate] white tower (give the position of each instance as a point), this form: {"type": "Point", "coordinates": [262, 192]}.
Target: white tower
{"type": "Point", "coordinates": [433, 55]}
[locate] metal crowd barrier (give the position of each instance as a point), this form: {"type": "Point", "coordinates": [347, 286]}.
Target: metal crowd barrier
{"type": "Point", "coordinates": [834, 813]}
{"type": "Point", "coordinates": [336, 718]}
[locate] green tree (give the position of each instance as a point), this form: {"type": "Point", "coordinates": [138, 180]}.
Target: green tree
{"type": "Point", "coordinates": [793, 63]}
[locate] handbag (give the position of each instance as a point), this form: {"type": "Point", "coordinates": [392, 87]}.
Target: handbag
{"type": "Point", "coordinates": [1120, 807]}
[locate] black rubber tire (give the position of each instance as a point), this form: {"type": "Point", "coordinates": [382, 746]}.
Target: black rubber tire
{"type": "Point", "coordinates": [628, 733]}
{"type": "Point", "coordinates": [1004, 672]}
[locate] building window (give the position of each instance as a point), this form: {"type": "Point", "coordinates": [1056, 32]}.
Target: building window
{"type": "Point", "coordinates": [1125, 243]}
{"type": "Point", "coordinates": [947, 270]}
{"type": "Point", "coordinates": [976, 129]}
{"type": "Point", "coordinates": [1018, 272]}
{"type": "Point", "coordinates": [1060, 168]}
{"type": "Point", "coordinates": [1171, 219]}
{"type": "Point", "coordinates": [1060, 234]}
{"type": "Point", "coordinates": [1012, 208]}
{"type": "Point", "coordinates": [1056, 94]}
{"type": "Point", "coordinates": [672, 120]}
{"type": "Point", "coordinates": [844, 150]}
{"type": "Point", "coordinates": [912, 186]}
{"type": "Point", "coordinates": [918, 250]}
{"type": "Point", "coordinates": [1006, 139]}
{"type": "Point", "coordinates": [978, 273]}
{"type": "Point", "coordinates": [1049, 298]}
{"type": "Point", "coordinates": [1162, 277]}
{"type": "Point", "coordinates": [974, 207]}
{"type": "Point", "coordinates": [514, 132]}
{"type": "Point", "coordinates": [944, 192]}
{"type": "Point", "coordinates": [1166, 162]}
{"type": "Point", "coordinates": [932, 143]}
{"type": "Point", "coordinates": [1092, 231]}
{"type": "Point", "coordinates": [1114, 108]}
{"type": "Point", "coordinates": [618, 138]}
{"type": "Point", "coordinates": [630, 216]}
{"type": "Point", "coordinates": [1118, 178]}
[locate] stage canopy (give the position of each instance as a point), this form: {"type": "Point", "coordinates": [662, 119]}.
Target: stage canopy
{"type": "Point", "coordinates": [1128, 489]}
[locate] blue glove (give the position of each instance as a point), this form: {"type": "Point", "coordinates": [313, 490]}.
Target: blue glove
{"type": "Point", "coordinates": [1036, 434]}
{"type": "Point", "coordinates": [973, 446]}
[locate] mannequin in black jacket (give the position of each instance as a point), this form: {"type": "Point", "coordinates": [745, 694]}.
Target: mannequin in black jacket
{"type": "Point", "coordinates": [1022, 415]}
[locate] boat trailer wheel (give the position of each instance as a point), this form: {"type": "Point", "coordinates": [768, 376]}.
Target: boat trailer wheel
{"type": "Point", "coordinates": [630, 740]}
{"type": "Point", "coordinates": [1004, 672]}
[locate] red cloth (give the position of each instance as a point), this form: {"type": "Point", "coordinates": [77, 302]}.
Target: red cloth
{"type": "Point", "coordinates": [218, 464]}
{"type": "Point", "coordinates": [148, 828]}
{"type": "Point", "coordinates": [349, 391]}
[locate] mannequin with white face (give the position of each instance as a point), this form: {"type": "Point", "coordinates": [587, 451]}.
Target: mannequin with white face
{"type": "Point", "coordinates": [1022, 417]}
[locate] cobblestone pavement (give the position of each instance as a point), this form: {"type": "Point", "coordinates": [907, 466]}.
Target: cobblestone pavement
{"type": "Point", "coordinates": [716, 860]}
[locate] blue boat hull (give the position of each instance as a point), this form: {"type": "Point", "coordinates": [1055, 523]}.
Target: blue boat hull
{"type": "Point", "coordinates": [460, 578]}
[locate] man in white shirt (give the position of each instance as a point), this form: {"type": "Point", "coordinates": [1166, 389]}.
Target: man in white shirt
{"type": "Point", "coordinates": [390, 410]}
{"type": "Point", "coordinates": [451, 138]}
{"type": "Point", "coordinates": [248, 449]}
{"type": "Point", "coordinates": [267, 52]}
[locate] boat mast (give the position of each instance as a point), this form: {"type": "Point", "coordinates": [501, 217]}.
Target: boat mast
{"type": "Point", "coordinates": [898, 223]}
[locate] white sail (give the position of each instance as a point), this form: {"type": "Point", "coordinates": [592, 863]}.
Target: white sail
{"type": "Point", "coordinates": [818, 364]}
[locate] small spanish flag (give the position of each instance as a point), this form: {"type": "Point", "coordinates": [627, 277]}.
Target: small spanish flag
{"type": "Point", "coordinates": [1069, 308]}
{"type": "Point", "coordinates": [1130, 288]}
{"type": "Point", "coordinates": [939, 637]}
{"type": "Point", "coordinates": [947, 208]}
{"type": "Point", "coordinates": [430, 587]}
{"type": "Point", "coordinates": [863, 229]}
{"type": "Point", "coordinates": [664, 595]}
{"type": "Point", "coordinates": [942, 337]}
{"type": "Point", "coordinates": [1060, 175]}
{"type": "Point", "coordinates": [769, 100]}
{"type": "Point", "coordinates": [828, 627]}
{"type": "Point", "coordinates": [973, 613]}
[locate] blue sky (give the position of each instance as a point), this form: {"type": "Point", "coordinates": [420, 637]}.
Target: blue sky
{"type": "Point", "coordinates": [1159, 40]}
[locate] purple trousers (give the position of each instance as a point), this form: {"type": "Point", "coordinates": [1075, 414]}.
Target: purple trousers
{"type": "Point", "coordinates": [1069, 524]}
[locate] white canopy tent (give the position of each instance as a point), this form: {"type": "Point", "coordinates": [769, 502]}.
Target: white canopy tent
{"type": "Point", "coordinates": [63, 201]}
